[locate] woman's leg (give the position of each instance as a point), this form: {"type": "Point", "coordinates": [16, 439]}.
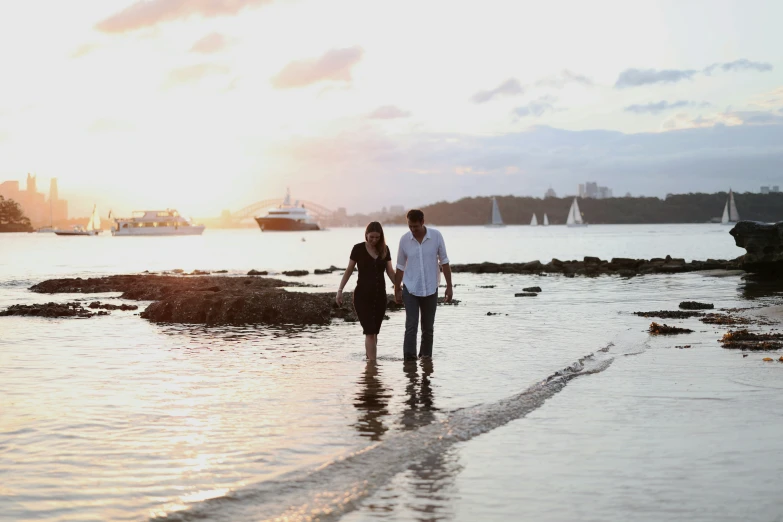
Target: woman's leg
{"type": "Point", "coordinates": [370, 347]}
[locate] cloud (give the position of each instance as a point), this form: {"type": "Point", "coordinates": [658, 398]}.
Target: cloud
{"type": "Point", "coordinates": [637, 77]}
{"type": "Point", "coordinates": [770, 99]}
{"type": "Point", "coordinates": [728, 118]}
{"type": "Point", "coordinates": [194, 73]}
{"type": "Point", "coordinates": [388, 112]}
{"type": "Point", "coordinates": [563, 78]}
{"type": "Point", "coordinates": [211, 43]}
{"type": "Point", "coordinates": [661, 106]}
{"type": "Point", "coordinates": [148, 13]}
{"type": "Point", "coordinates": [743, 64]}
{"type": "Point", "coordinates": [84, 50]}
{"type": "Point", "coordinates": [536, 107]}
{"type": "Point", "coordinates": [510, 87]}
{"type": "Point", "coordinates": [334, 65]}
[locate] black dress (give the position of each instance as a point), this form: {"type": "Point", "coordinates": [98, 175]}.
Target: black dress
{"type": "Point", "coordinates": [369, 298]}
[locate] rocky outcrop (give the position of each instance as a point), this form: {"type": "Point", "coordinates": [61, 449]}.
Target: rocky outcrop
{"type": "Point", "coordinates": [695, 305]}
{"type": "Point", "coordinates": [763, 243]}
{"type": "Point", "coordinates": [214, 300]}
{"type": "Point", "coordinates": [593, 266]}
{"type": "Point", "coordinates": [51, 310]}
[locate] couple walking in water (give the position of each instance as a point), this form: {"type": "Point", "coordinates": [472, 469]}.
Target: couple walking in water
{"type": "Point", "coordinates": [421, 254]}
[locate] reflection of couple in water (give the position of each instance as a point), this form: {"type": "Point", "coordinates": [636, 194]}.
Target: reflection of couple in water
{"type": "Point", "coordinates": [422, 252]}
{"type": "Point", "coordinates": [372, 399]}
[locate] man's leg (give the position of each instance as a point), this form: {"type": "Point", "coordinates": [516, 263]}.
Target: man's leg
{"type": "Point", "coordinates": [411, 323]}
{"type": "Point", "coordinates": [428, 306]}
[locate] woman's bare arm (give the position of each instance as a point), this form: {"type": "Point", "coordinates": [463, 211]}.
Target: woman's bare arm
{"type": "Point", "coordinates": [344, 281]}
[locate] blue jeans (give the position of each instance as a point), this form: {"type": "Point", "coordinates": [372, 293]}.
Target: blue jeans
{"type": "Point", "coordinates": [413, 304]}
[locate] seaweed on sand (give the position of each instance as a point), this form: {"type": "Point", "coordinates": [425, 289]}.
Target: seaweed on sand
{"type": "Point", "coordinates": [665, 329]}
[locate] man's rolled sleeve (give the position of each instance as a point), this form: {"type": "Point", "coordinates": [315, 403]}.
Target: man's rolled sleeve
{"type": "Point", "coordinates": [402, 256]}
{"type": "Point", "coordinates": [443, 257]}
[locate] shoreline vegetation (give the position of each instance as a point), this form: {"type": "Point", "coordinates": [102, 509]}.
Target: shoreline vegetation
{"type": "Point", "coordinates": [675, 209]}
{"type": "Point", "coordinates": [12, 219]}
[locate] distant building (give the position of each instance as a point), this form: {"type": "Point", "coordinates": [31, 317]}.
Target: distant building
{"type": "Point", "coordinates": [591, 190]}
{"type": "Point", "coordinates": [582, 190]}
{"type": "Point", "coordinates": [550, 193]}
{"type": "Point", "coordinates": [604, 193]}
{"type": "Point", "coordinates": [396, 210]}
{"type": "Point", "coordinates": [34, 204]}
{"type": "Point", "coordinates": [764, 190]}
{"type": "Point", "coordinates": [775, 188]}
{"type": "Point", "coordinates": [628, 195]}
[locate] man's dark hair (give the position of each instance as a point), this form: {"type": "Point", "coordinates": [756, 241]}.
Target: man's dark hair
{"type": "Point", "coordinates": [415, 215]}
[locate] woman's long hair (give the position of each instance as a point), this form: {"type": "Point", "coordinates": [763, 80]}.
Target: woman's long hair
{"type": "Point", "coordinates": [374, 226]}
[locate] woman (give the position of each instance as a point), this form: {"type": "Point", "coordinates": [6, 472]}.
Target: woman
{"type": "Point", "coordinates": [373, 258]}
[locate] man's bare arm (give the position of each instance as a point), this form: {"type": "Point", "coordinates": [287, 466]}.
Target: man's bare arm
{"type": "Point", "coordinates": [447, 274]}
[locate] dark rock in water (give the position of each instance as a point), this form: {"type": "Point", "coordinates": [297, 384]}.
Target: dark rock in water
{"type": "Point", "coordinates": [214, 300]}
{"type": "Point", "coordinates": [295, 273]}
{"type": "Point", "coordinates": [694, 305]}
{"type": "Point", "coordinates": [669, 314]}
{"type": "Point", "coordinates": [594, 267]}
{"type": "Point", "coordinates": [525, 294]}
{"type": "Point", "coordinates": [258, 273]}
{"type": "Point", "coordinates": [322, 271]}
{"type": "Point", "coordinates": [665, 329]}
{"type": "Point", "coordinates": [221, 271]}
{"type": "Point", "coordinates": [486, 286]}
{"type": "Point", "coordinates": [746, 340]}
{"type": "Point", "coordinates": [51, 310]}
{"type": "Point", "coordinates": [107, 306]}
{"type": "Point", "coordinates": [493, 313]}
{"type": "Point", "coordinates": [763, 243]}
{"type": "Point", "coordinates": [532, 289]}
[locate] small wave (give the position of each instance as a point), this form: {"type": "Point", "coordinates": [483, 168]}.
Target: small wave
{"type": "Point", "coordinates": [336, 487]}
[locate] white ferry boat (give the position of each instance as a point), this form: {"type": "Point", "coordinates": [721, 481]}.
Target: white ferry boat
{"type": "Point", "coordinates": [156, 223]}
{"type": "Point", "coordinates": [287, 218]}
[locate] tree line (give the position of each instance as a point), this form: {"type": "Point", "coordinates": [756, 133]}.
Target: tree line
{"type": "Point", "coordinates": [676, 208]}
{"type": "Point", "coordinates": [12, 219]}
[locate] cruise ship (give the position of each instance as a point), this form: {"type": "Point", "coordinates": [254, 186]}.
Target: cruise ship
{"type": "Point", "coordinates": [287, 218]}
{"type": "Point", "coordinates": [156, 223]}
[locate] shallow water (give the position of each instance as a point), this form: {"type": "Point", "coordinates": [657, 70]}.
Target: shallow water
{"type": "Point", "coordinates": [114, 418]}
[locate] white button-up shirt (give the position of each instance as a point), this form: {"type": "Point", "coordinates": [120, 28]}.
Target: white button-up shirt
{"type": "Point", "coordinates": [420, 262]}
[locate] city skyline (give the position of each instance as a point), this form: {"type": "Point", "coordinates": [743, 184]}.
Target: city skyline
{"type": "Point", "coordinates": [162, 103]}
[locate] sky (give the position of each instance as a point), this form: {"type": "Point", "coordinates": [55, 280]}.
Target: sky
{"type": "Point", "coordinates": [206, 105]}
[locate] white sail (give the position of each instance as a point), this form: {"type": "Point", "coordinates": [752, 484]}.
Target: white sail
{"type": "Point", "coordinates": [95, 220]}
{"type": "Point", "coordinates": [574, 215]}
{"type": "Point", "coordinates": [733, 214]}
{"type": "Point", "coordinates": [725, 218]}
{"type": "Point", "coordinates": [570, 219]}
{"type": "Point", "coordinates": [546, 221]}
{"type": "Point", "coordinates": [534, 221]}
{"type": "Point", "coordinates": [496, 219]}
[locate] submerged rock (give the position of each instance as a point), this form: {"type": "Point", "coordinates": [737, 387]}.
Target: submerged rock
{"type": "Point", "coordinates": [107, 306]}
{"type": "Point", "coordinates": [665, 329]}
{"type": "Point", "coordinates": [258, 273]}
{"type": "Point", "coordinates": [763, 243]}
{"type": "Point", "coordinates": [295, 273]}
{"type": "Point", "coordinates": [525, 294]}
{"type": "Point", "coordinates": [669, 314]}
{"type": "Point", "coordinates": [532, 289]}
{"type": "Point", "coordinates": [695, 305]}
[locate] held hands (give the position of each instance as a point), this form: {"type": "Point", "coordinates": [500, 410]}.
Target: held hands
{"type": "Point", "coordinates": [339, 298]}
{"type": "Point", "coordinates": [449, 293]}
{"type": "Point", "coordinates": [398, 295]}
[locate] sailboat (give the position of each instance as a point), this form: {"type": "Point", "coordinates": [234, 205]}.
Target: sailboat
{"type": "Point", "coordinates": [730, 214]}
{"type": "Point", "coordinates": [575, 216]}
{"type": "Point", "coordinates": [534, 221]}
{"type": "Point", "coordinates": [546, 220]}
{"type": "Point", "coordinates": [497, 221]}
{"type": "Point", "coordinates": [93, 227]}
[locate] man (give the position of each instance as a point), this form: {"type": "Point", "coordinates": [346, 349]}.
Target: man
{"type": "Point", "coordinates": [416, 282]}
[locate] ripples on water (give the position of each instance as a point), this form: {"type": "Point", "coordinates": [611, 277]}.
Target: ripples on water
{"type": "Point", "coordinates": [113, 418]}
